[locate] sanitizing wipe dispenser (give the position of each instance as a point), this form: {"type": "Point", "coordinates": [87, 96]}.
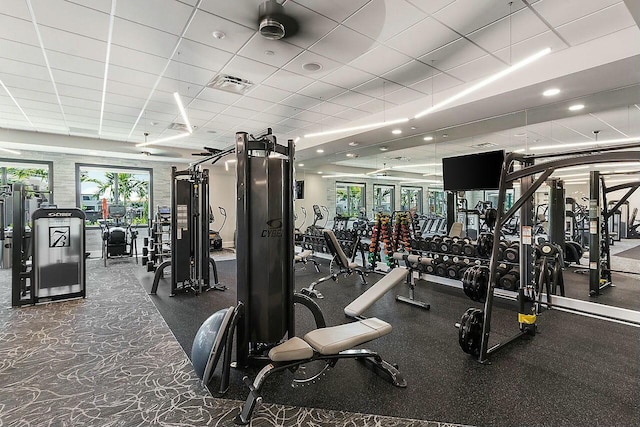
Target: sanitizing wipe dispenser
{"type": "Point", "coordinates": [58, 254]}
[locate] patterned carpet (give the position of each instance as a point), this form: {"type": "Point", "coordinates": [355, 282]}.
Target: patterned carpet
{"type": "Point", "coordinates": [111, 360]}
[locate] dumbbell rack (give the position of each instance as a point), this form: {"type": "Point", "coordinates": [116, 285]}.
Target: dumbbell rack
{"type": "Point", "coordinates": [380, 233]}
{"type": "Point", "coordinates": [349, 240]}
{"type": "Point", "coordinates": [154, 252]}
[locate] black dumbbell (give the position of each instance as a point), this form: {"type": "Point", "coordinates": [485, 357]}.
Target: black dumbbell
{"type": "Point", "coordinates": [512, 253]}
{"type": "Point", "coordinates": [511, 280]}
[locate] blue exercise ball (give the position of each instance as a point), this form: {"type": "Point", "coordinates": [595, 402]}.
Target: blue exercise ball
{"type": "Point", "coordinates": [205, 340]}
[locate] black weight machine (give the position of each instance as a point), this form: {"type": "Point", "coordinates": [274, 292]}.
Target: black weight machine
{"type": "Point", "coordinates": [263, 321]}
{"type": "Point", "coordinates": [118, 239]}
{"type": "Point", "coordinates": [190, 258]}
{"type": "Point", "coordinates": [475, 324]}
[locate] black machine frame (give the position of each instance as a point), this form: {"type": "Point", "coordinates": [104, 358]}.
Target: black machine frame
{"type": "Point", "coordinates": [529, 184]}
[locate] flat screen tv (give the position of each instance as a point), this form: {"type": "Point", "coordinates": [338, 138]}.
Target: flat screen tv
{"type": "Point", "coordinates": [473, 172]}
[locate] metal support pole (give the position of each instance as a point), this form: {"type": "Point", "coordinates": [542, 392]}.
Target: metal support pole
{"type": "Point", "coordinates": [595, 222]}
{"type": "Point", "coordinates": [557, 211]}
{"type": "Point", "coordinates": [451, 209]}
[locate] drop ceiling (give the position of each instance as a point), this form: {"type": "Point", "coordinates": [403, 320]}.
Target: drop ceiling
{"type": "Point", "coordinates": [377, 57]}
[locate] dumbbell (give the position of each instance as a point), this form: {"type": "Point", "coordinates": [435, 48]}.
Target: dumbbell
{"type": "Point", "coordinates": [512, 253]}
{"type": "Point", "coordinates": [502, 246]}
{"type": "Point", "coordinates": [485, 245]}
{"type": "Point", "coordinates": [445, 245]}
{"type": "Point", "coordinates": [434, 244]}
{"type": "Point", "coordinates": [146, 241]}
{"type": "Point", "coordinates": [441, 269]}
{"type": "Point", "coordinates": [144, 260]}
{"type": "Point", "coordinates": [150, 267]}
{"type": "Point", "coordinates": [511, 280]}
{"type": "Point", "coordinates": [501, 270]}
{"type": "Point", "coordinates": [469, 249]}
{"type": "Point", "coordinates": [456, 246]}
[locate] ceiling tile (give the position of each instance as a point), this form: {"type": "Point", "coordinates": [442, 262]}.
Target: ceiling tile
{"type": "Point", "coordinates": [374, 106]}
{"type": "Point", "coordinates": [282, 110]}
{"type": "Point", "coordinates": [440, 82]}
{"type": "Point", "coordinates": [142, 38]}
{"type": "Point", "coordinates": [338, 10]}
{"type": "Point", "coordinates": [220, 96]}
{"type": "Point", "coordinates": [119, 109]}
{"type": "Point", "coordinates": [16, 9]}
{"type": "Point", "coordinates": [296, 123]}
{"type": "Point", "coordinates": [453, 54]}
{"type": "Point", "coordinates": [268, 93]}
{"type": "Point", "coordinates": [561, 12]}
{"type": "Point", "coordinates": [350, 99]}
{"type": "Point", "coordinates": [62, 41]}
{"type": "Point", "coordinates": [205, 23]}
{"type": "Point", "coordinates": [404, 95]}
{"type": "Point", "coordinates": [465, 16]}
{"type": "Point", "coordinates": [79, 92]}
{"type": "Point", "coordinates": [352, 114]}
{"type": "Point", "coordinates": [273, 53]}
{"type": "Point", "coordinates": [63, 61]}
{"type": "Point", "coordinates": [598, 24]}
{"type": "Point", "coordinates": [247, 15]}
{"type": "Point", "coordinates": [165, 15]}
{"type": "Point", "coordinates": [253, 104]}
{"type": "Point", "coordinates": [17, 29]}
{"type": "Point", "coordinates": [120, 88]}
{"type": "Point", "coordinates": [21, 52]}
{"type": "Point", "coordinates": [377, 88]}
{"type": "Point", "coordinates": [72, 18]}
{"type": "Point", "coordinates": [310, 116]}
{"type": "Point", "coordinates": [328, 108]}
{"type": "Point", "coordinates": [413, 42]}
{"type": "Point", "coordinates": [625, 119]}
{"type": "Point", "coordinates": [203, 56]}
{"type": "Point", "coordinates": [180, 72]}
{"type": "Point", "coordinates": [315, 25]}
{"type": "Point", "coordinates": [381, 20]}
{"type": "Point", "coordinates": [430, 6]}
{"type": "Point", "coordinates": [19, 81]}
{"type": "Point", "coordinates": [153, 105]}
{"type": "Point", "coordinates": [38, 105]}
{"type": "Point", "coordinates": [134, 77]}
{"type": "Point", "coordinates": [380, 60]}
{"type": "Point", "coordinates": [308, 57]}
{"type": "Point", "coordinates": [77, 79]}
{"type": "Point", "coordinates": [300, 101]}
{"type": "Point", "coordinates": [24, 70]}
{"type": "Point", "coordinates": [343, 45]}
{"type": "Point", "coordinates": [287, 80]}
{"type": "Point", "coordinates": [524, 25]}
{"type": "Point", "coordinates": [267, 117]}
{"type": "Point", "coordinates": [477, 68]}
{"type": "Point", "coordinates": [321, 90]}
{"type": "Point", "coordinates": [254, 71]}
{"type": "Point", "coordinates": [136, 60]}
{"type": "Point", "coordinates": [410, 73]}
{"type": "Point", "coordinates": [80, 103]}
{"type": "Point", "coordinates": [21, 94]}
{"type": "Point", "coordinates": [520, 51]}
{"type": "Point", "coordinates": [114, 98]}
{"type": "Point", "coordinates": [347, 77]}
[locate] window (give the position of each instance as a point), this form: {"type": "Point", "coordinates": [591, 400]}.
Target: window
{"type": "Point", "coordinates": [36, 176]}
{"type": "Point", "coordinates": [130, 187]}
{"type": "Point", "coordinates": [411, 199]}
{"type": "Point", "coordinates": [437, 203]}
{"type": "Point", "coordinates": [384, 198]}
{"type": "Point", "coordinates": [350, 199]}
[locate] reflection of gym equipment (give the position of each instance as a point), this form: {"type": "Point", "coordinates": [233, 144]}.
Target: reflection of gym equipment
{"type": "Point", "coordinates": [56, 247]}
{"type": "Point", "coordinates": [119, 239]}
{"type": "Point", "coordinates": [632, 229]}
{"type": "Point", "coordinates": [345, 267]}
{"type": "Point", "coordinates": [215, 238]}
{"type": "Point", "coordinates": [298, 234]}
{"type": "Point", "coordinates": [157, 246]}
{"type": "Point", "coordinates": [190, 258]}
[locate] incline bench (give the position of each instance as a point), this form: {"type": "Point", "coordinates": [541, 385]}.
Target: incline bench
{"type": "Point", "coordinates": [346, 267]}
{"type": "Point", "coordinates": [331, 344]}
{"type": "Point", "coordinates": [304, 257]}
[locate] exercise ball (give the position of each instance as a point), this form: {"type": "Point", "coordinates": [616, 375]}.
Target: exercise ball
{"type": "Point", "coordinates": [205, 340]}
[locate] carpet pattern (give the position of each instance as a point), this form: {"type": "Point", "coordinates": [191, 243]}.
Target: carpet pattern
{"type": "Point", "coordinates": [111, 360]}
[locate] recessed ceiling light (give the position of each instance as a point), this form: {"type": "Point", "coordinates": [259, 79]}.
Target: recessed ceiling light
{"type": "Point", "coordinates": [445, 135]}
{"type": "Point", "coordinates": [551, 92]}
{"type": "Point", "coordinates": [396, 131]}
{"type": "Point", "coordinates": [269, 52]}
{"type": "Point", "coordinates": [301, 164]}
{"type": "Point", "coordinates": [320, 172]}
{"type": "Point", "coordinates": [428, 138]}
{"type": "Point", "coordinates": [384, 148]}
{"type": "Point", "coordinates": [312, 66]}
{"type": "Point", "coordinates": [218, 35]}
{"type": "Point", "coordinates": [520, 134]}
{"type": "Point", "coordinates": [354, 143]}
{"type": "Point", "coordinates": [576, 107]}
{"type": "Point", "coordinates": [319, 150]}
{"type": "Point", "coordinates": [413, 128]}
{"type": "Point", "coordinates": [350, 154]}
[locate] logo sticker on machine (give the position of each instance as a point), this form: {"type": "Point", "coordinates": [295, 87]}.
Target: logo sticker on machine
{"type": "Point", "coordinates": [59, 237]}
{"type": "Point", "coordinates": [274, 228]}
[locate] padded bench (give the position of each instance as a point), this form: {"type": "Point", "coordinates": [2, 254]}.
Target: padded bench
{"type": "Point", "coordinates": [330, 340]}
{"type": "Point", "coordinates": [373, 294]}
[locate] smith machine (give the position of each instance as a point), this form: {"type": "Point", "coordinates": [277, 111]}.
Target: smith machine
{"type": "Point", "coordinates": [475, 324]}
{"type": "Point", "coordinates": [190, 259]}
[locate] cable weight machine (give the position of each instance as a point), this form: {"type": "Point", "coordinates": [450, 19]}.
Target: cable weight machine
{"type": "Point", "coordinates": [190, 259]}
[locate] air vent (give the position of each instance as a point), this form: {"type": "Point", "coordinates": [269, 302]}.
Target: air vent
{"type": "Point", "coordinates": [484, 145]}
{"type": "Point", "coordinates": [178, 126]}
{"type": "Point", "coordinates": [230, 84]}
{"type": "Point", "coordinates": [401, 159]}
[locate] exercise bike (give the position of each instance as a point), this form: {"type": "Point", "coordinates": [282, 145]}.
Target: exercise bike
{"type": "Point", "coordinates": [215, 239]}
{"type": "Point", "coordinates": [118, 239]}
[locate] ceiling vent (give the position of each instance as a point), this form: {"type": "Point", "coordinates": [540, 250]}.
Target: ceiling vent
{"type": "Point", "coordinates": [484, 145]}
{"type": "Point", "coordinates": [178, 126]}
{"type": "Point", "coordinates": [230, 84]}
{"type": "Point", "coordinates": [273, 23]}
{"type": "Point", "coordinates": [401, 158]}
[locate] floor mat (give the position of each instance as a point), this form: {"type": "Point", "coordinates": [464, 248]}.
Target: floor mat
{"type": "Point", "coordinates": [633, 253]}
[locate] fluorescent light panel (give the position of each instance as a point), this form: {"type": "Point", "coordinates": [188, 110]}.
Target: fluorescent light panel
{"type": "Point", "coordinates": [585, 144]}
{"type": "Point", "coordinates": [17, 153]}
{"type": "Point", "coordinates": [106, 63]}
{"type": "Point", "coordinates": [353, 128]}
{"type": "Point", "coordinates": [168, 138]}
{"type": "Point", "coordinates": [485, 82]}
{"type": "Point", "coordinates": [183, 112]}
{"type": "Point", "coordinates": [17, 105]}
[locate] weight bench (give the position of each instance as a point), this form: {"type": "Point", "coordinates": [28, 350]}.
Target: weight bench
{"type": "Point", "coordinates": [328, 344]}
{"type": "Point", "coordinates": [346, 267]}
{"type": "Point", "coordinates": [304, 257]}
{"type": "Point", "coordinates": [374, 293]}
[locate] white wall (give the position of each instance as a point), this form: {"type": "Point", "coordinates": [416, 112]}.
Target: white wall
{"type": "Point", "coordinates": [222, 192]}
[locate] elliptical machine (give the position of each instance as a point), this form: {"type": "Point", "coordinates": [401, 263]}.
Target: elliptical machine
{"type": "Point", "coordinates": [215, 237]}
{"type": "Point", "coordinates": [119, 239]}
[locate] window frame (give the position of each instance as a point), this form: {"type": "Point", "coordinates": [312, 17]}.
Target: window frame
{"type": "Point", "coordinates": [348, 184]}
{"type": "Point", "coordinates": [49, 164]}
{"type": "Point", "coordinates": [420, 202]}
{"type": "Point", "coordinates": [393, 195]}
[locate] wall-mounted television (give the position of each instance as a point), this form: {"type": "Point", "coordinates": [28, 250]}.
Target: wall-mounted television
{"type": "Point", "coordinates": [299, 189]}
{"type": "Point", "coordinates": [473, 172]}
